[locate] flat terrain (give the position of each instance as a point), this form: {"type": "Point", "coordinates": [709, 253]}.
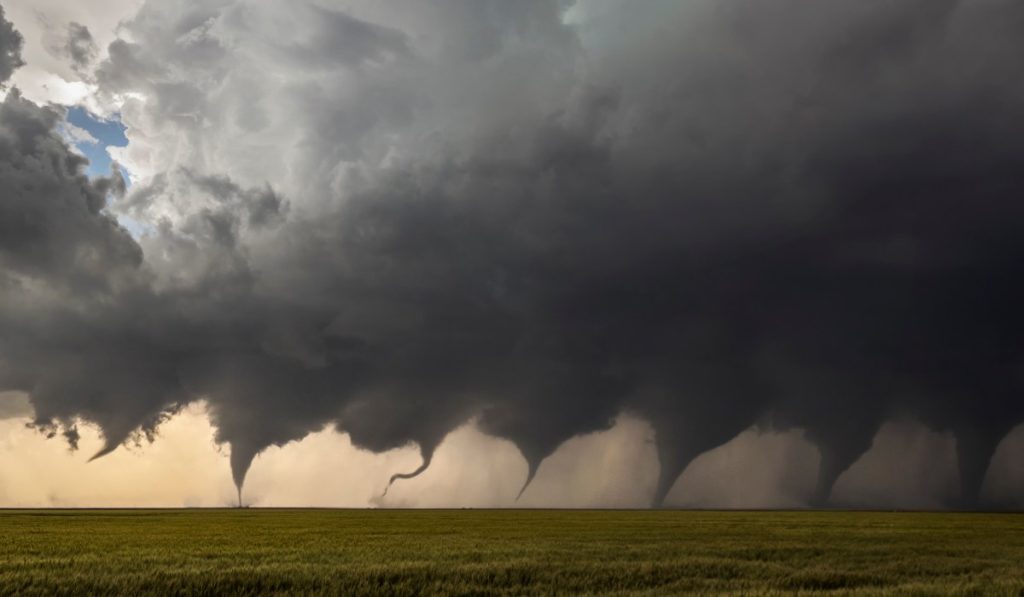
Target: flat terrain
{"type": "Point", "coordinates": [496, 552]}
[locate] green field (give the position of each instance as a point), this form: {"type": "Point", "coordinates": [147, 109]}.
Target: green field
{"type": "Point", "coordinates": [409, 552]}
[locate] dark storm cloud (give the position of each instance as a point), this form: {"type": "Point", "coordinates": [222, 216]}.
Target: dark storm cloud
{"type": "Point", "coordinates": [10, 48]}
{"type": "Point", "coordinates": [711, 214]}
{"type": "Point", "coordinates": [52, 221]}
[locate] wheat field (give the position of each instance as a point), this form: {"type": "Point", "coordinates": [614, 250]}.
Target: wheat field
{"type": "Point", "coordinates": [507, 552]}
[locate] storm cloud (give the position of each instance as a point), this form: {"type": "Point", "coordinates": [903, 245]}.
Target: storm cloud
{"type": "Point", "coordinates": [539, 216]}
{"type": "Point", "coordinates": [10, 49]}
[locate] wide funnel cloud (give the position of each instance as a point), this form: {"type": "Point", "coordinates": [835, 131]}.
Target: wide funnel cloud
{"type": "Point", "coordinates": [396, 218]}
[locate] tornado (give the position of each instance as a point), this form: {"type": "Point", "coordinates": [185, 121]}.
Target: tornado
{"type": "Point", "coordinates": [241, 459]}
{"type": "Point", "coordinates": [697, 409]}
{"type": "Point", "coordinates": [427, 454]}
{"type": "Point", "coordinates": [837, 455]}
{"type": "Point", "coordinates": [679, 442]}
{"type": "Point", "coordinates": [531, 471]}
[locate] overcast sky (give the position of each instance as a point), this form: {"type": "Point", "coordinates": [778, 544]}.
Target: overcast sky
{"type": "Point", "coordinates": [571, 252]}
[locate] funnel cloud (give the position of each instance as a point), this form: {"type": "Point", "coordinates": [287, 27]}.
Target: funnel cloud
{"type": "Point", "coordinates": [538, 217]}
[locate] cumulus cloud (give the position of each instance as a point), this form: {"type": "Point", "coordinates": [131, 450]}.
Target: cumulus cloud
{"type": "Point", "coordinates": [79, 46]}
{"type": "Point", "coordinates": [398, 218]}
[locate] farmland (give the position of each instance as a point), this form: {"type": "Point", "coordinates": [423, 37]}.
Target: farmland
{"type": "Point", "coordinates": [499, 552]}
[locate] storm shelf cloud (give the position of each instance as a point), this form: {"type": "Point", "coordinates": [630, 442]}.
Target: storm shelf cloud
{"type": "Point", "coordinates": [398, 218]}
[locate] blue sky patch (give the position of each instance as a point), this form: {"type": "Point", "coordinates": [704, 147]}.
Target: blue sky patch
{"type": "Point", "coordinates": [99, 135]}
{"type": "Point", "coordinates": [105, 133]}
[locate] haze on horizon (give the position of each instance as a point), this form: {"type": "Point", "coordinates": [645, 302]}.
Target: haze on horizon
{"type": "Point", "coordinates": [711, 253]}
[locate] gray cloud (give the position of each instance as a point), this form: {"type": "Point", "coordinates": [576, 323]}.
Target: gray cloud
{"type": "Point", "coordinates": [52, 219]}
{"type": "Point", "coordinates": [711, 215]}
{"type": "Point", "coordinates": [80, 46]}
{"type": "Point", "coordinates": [74, 45]}
{"type": "Point", "coordinates": [10, 48]}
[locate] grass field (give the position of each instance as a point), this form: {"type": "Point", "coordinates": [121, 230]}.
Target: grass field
{"type": "Point", "coordinates": [409, 552]}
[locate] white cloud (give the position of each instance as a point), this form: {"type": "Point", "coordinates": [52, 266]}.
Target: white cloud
{"type": "Point", "coordinates": [45, 76]}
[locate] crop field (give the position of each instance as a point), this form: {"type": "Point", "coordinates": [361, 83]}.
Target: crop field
{"type": "Point", "coordinates": [507, 552]}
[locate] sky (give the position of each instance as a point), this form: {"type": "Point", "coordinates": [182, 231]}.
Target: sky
{"type": "Point", "coordinates": [572, 253]}
{"type": "Point", "coordinates": [101, 135]}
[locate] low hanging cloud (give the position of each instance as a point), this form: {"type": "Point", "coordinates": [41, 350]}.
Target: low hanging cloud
{"type": "Point", "coordinates": [398, 218]}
